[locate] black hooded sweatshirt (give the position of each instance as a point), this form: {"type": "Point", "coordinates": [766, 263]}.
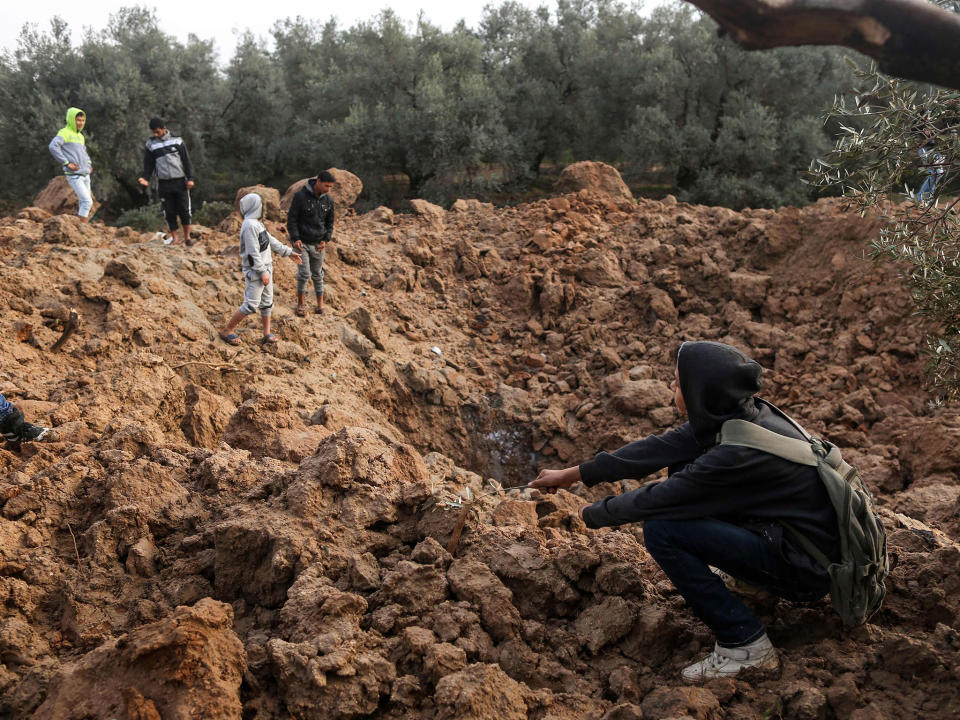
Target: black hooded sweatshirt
{"type": "Point", "coordinates": [739, 485]}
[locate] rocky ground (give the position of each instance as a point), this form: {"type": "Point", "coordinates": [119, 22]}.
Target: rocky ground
{"type": "Point", "coordinates": [220, 532]}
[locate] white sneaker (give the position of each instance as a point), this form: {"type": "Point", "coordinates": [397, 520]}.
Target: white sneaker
{"type": "Point", "coordinates": [727, 662]}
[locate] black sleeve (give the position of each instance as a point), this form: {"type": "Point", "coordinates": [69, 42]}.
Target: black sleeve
{"type": "Point", "coordinates": [185, 159]}
{"type": "Point", "coordinates": [293, 218]}
{"type": "Point", "coordinates": [328, 236]}
{"type": "Point", "coordinates": [722, 480]}
{"type": "Point", "coordinates": [642, 457]}
{"type": "Point", "coordinates": [148, 164]}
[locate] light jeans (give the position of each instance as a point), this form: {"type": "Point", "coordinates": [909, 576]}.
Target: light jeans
{"type": "Point", "coordinates": [311, 268]}
{"type": "Point", "coordinates": [5, 408]}
{"type": "Point", "coordinates": [81, 186]}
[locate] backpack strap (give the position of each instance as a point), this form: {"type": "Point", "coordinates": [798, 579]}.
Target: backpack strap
{"type": "Point", "coordinates": [748, 434]}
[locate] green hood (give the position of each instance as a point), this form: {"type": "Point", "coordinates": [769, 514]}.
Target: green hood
{"type": "Point", "coordinates": [72, 118]}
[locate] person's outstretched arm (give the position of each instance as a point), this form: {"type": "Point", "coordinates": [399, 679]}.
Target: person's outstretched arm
{"type": "Point", "coordinates": [187, 165]}
{"type": "Point", "coordinates": [148, 166]}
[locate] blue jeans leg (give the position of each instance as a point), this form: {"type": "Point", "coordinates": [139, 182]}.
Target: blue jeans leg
{"type": "Point", "coordinates": [5, 408]}
{"type": "Point", "coordinates": [685, 550]}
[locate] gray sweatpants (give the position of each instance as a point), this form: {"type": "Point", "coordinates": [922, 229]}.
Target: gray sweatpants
{"type": "Point", "coordinates": [256, 295]}
{"type": "Point", "coordinates": [311, 267]}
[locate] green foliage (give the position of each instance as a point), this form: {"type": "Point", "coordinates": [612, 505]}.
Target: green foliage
{"type": "Point", "coordinates": [145, 218]}
{"type": "Point", "coordinates": [883, 125]}
{"type": "Point", "coordinates": [121, 77]}
{"type": "Point", "coordinates": [464, 111]}
{"type": "Point", "coordinates": [212, 213]}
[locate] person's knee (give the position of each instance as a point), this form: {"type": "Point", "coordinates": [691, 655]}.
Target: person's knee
{"type": "Point", "coordinates": [660, 536]}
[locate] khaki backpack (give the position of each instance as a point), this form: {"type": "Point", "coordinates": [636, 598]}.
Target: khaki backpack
{"type": "Point", "coordinates": [856, 581]}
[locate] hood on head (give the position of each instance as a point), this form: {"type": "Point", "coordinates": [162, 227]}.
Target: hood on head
{"type": "Point", "coordinates": [251, 206]}
{"type": "Point", "coordinates": [72, 117]}
{"type": "Point", "coordinates": [718, 383]}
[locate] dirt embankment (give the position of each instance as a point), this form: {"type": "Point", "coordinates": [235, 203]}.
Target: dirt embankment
{"type": "Point", "coordinates": [249, 533]}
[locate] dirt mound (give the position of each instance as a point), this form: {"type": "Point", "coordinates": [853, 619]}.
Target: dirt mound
{"type": "Point", "coordinates": [271, 202]}
{"type": "Point", "coordinates": [596, 177]}
{"type": "Point", "coordinates": [320, 529]}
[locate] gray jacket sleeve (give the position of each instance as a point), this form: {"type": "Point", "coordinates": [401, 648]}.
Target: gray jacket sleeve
{"type": "Point", "coordinates": [56, 149]}
{"type": "Point", "coordinates": [279, 248]}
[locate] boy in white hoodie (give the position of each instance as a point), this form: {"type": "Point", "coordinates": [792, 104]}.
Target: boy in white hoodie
{"type": "Point", "coordinates": [256, 248]}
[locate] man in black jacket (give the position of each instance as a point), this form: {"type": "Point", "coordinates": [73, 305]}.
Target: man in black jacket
{"type": "Point", "coordinates": [166, 155]}
{"type": "Point", "coordinates": [721, 506]}
{"type": "Point", "coordinates": [310, 224]}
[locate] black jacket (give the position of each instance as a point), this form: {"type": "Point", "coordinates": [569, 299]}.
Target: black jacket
{"type": "Point", "coordinates": [310, 218]}
{"type": "Point", "coordinates": [739, 485]}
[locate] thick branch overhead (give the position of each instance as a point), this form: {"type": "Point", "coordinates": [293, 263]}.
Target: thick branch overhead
{"type": "Point", "coordinates": [913, 39]}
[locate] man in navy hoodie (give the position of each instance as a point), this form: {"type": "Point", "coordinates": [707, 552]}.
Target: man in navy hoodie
{"type": "Point", "coordinates": [721, 506]}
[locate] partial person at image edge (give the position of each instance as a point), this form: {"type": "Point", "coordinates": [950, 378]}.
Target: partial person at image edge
{"type": "Point", "coordinates": [15, 428]}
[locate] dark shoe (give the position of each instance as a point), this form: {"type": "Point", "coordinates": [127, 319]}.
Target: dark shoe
{"type": "Point", "coordinates": [270, 339]}
{"type": "Point", "coordinates": [17, 430]}
{"type": "Point", "coordinates": [32, 433]}
{"type": "Point", "coordinates": [231, 339]}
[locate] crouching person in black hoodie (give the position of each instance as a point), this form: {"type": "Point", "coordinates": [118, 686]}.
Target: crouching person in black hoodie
{"type": "Point", "coordinates": [721, 505]}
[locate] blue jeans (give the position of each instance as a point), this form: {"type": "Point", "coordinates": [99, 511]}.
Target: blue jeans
{"type": "Point", "coordinates": [928, 188]}
{"type": "Point", "coordinates": [5, 408]}
{"type": "Point", "coordinates": [685, 549]}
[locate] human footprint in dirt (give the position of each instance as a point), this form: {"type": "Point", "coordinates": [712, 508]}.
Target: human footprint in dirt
{"type": "Point", "coordinates": [14, 428]}
{"type": "Point", "coordinates": [256, 248]}
{"type": "Point", "coordinates": [721, 506]}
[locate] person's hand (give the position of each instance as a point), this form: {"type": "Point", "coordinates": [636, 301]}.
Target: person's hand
{"type": "Point", "coordinates": [265, 278]}
{"type": "Point", "coordinates": [298, 244]}
{"type": "Point", "coordinates": [550, 481]}
{"type": "Point", "coordinates": [321, 245]}
{"type": "Point", "coordinates": [297, 259]}
{"type": "Point", "coordinates": [73, 166]}
{"type": "Point", "coordinates": [143, 182]}
{"type": "Point", "coordinates": [190, 184]}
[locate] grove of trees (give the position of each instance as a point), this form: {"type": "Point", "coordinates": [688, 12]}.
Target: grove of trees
{"type": "Point", "coordinates": [661, 95]}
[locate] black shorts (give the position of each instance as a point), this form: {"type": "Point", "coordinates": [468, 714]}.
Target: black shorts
{"type": "Point", "coordinates": [176, 204]}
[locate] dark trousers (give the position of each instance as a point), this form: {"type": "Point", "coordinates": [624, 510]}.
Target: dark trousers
{"type": "Point", "coordinates": [176, 204]}
{"type": "Point", "coordinates": [685, 549]}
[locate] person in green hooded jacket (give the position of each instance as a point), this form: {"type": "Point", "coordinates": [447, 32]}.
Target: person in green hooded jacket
{"type": "Point", "coordinates": [69, 147]}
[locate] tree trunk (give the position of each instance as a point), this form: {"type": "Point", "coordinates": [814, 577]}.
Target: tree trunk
{"type": "Point", "coordinates": [912, 39]}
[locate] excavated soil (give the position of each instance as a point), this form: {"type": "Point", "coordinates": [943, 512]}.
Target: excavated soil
{"type": "Point", "coordinates": [220, 532]}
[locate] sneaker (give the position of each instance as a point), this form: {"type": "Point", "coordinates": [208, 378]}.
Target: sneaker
{"type": "Point", "coordinates": [727, 662]}
{"type": "Point", "coordinates": [26, 432]}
